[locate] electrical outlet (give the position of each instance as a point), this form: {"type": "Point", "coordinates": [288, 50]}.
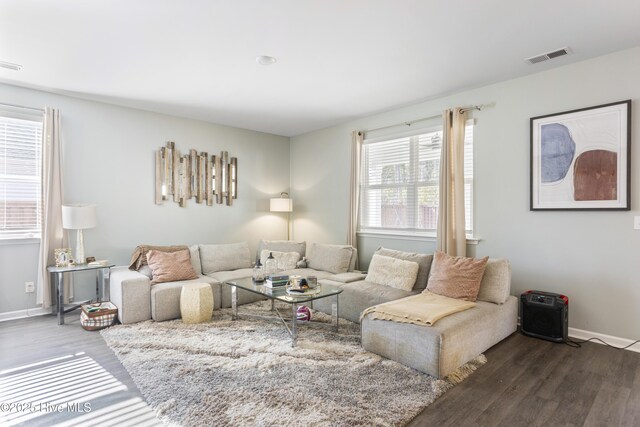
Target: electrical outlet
{"type": "Point", "coordinates": [29, 287]}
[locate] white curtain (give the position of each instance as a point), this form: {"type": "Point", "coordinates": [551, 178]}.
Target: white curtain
{"type": "Point", "coordinates": [451, 236]}
{"type": "Point", "coordinates": [53, 235]}
{"type": "Point", "coordinates": [357, 138]}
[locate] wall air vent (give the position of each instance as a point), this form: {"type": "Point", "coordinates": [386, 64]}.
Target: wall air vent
{"type": "Point", "coordinates": [549, 55]}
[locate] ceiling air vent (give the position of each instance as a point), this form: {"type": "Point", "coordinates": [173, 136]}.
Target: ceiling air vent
{"type": "Point", "coordinates": [549, 55]}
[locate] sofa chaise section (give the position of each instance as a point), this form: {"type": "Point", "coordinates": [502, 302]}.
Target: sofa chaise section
{"type": "Point", "coordinates": [451, 342]}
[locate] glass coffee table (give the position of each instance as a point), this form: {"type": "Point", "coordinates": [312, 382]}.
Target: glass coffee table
{"type": "Point", "coordinates": [280, 294]}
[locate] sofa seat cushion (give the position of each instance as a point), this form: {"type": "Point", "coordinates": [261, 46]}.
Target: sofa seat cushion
{"type": "Point", "coordinates": [225, 276]}
{"type": "Point", "coordinates": [304, 272]}
{"type": "Point", "coordinates": [440, 349]}
{"type": "Point", "coordinates": [358, 296]}
{"type": "Point", "coordinates": [165, 297]}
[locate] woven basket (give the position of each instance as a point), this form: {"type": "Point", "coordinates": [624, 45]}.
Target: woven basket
{"type": "Point", "coordinates": [94, 320]}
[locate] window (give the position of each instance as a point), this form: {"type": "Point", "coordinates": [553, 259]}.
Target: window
{"type": "Point", "coordinates": [20, 166]}
{"type": "Point", "coordinates": [400, 182]}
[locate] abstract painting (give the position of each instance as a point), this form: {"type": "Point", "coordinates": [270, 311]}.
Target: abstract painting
{"type": "Point", "coordinates": [580, 159]}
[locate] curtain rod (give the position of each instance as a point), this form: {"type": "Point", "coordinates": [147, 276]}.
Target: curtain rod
{"type": "Point", "coordinates": [411, 122]}
{"type": "Point", "coordinates": [41, 110]}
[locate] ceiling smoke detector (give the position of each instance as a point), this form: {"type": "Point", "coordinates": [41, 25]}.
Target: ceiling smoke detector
{"type": "Point", "coordinates": [548, 55]}
{"type": "Point", "coordinates": [265, 60]}
{"type": "Point", "coordinates": [10, 66]}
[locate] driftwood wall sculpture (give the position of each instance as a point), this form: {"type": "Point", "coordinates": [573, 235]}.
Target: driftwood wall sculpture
{"type": "Point", "coordinates": [198, 175]}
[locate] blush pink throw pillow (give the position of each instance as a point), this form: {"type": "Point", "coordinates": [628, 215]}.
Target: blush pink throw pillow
{"type": "Point", "coordinates": [456, 277]}
{"type": "Point", "coordinates": [170, 266]}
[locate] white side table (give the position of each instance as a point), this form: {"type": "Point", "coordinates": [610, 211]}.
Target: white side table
{"type": "Point", "coordinates": [57, 280]}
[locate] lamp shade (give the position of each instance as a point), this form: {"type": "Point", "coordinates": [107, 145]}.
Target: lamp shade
{"type": "Point", "coordinates": [281, 205]}
{"type": "Point", "coordinates": [78, 217]}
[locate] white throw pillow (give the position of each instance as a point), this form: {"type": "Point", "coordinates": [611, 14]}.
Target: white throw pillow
{"type": "Point", "coordinates": [393, 272]}
{"type": "Point", "coordinates": [285, 260]}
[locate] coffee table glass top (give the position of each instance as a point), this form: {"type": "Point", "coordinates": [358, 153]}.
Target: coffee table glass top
{"type": "Point", "coordinates": [280, 293]}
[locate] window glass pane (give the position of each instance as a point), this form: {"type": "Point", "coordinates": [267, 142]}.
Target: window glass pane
{"type": "Point", "coordinates": [427, 208]}
{"type": "Point", "coordinates": [388, 162]}
{"type": "Point", "coordinates": [20, 152]}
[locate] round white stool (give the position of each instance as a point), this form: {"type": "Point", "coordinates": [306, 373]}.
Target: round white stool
{"type": "Point", "coordinates": [196, 302]}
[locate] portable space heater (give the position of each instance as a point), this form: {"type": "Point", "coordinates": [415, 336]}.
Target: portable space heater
{"type": "Point", "coordinates": [544, 315]}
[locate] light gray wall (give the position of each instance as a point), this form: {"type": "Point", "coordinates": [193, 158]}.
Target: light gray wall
{"type": "Point", "coordinates": [109, 161]}
{"type": "Point", "coordinates": [590, 256]}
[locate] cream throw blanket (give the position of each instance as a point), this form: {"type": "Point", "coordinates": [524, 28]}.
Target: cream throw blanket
{"type": "Point", "coordinates": [422, 309]}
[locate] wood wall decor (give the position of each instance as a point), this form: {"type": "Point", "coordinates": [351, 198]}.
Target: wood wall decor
{"type": "Point", "coordinates": [182, 177]}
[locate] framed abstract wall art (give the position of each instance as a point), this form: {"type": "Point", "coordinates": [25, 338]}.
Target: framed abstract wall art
{"type": "Point", "coordinates": [581, 159]}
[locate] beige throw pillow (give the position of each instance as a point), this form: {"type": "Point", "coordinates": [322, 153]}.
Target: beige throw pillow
{"type": "Point", "coordinates": [170, 266]}
{"type": "Point", "coordinates": [285, 260]}
{"type": "Point", "coordinates": [456, 277]}
{"type": "Point", "coordinates": [394, 272]}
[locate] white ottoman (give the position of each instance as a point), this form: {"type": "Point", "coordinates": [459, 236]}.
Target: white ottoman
{"type": "Point", "coordinates": [196, 302]}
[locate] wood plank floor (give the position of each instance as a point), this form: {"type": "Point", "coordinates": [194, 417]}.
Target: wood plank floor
{"type": "Point", "coordinates": [525, 382]}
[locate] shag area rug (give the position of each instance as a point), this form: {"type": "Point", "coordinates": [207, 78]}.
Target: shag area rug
{"type": "Point", "coordinates": [245, 373]}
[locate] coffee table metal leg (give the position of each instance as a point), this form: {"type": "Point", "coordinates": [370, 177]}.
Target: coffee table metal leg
{"type": "Point", "coordinates": [334, 312]}
{"type": "Point", "coordinates": [234, 303]}
{"type": "Point", "coordinates": [294, 328]}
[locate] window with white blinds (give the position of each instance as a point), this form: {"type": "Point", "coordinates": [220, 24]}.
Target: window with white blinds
{"type": "Point", "coordinates": [20, 165]}
{"type": "Point", "coordinates": [400, 182]}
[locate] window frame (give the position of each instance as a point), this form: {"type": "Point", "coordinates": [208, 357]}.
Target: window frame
{"type": "Point", "coordinates": [412, 187]}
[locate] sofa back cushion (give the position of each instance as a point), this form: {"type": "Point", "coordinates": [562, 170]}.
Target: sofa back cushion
{"type": "Point", "coordinates": [282, 246]}
{"type": "Point", "coordinates": [394, 272]}
{"type": "Point", "coordinates": [170, 266]}
{"type": "Point", "coordinates": [495, 286]}
{"type": "Point", "coordinates": [332, 258]}
{"type": "Point", "coordinates": [456, 277]}
{"type": "Point", "coordinates": [224, 257]}
{"type": "Point", "coordinates": [424, 264]}
{"type": "Point", "coordinates": [194, 250]}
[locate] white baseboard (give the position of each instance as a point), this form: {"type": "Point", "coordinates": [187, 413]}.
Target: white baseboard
{"type": "Point", "coordinates": [609, 339]}
{"type": "Point", "coordinates": [21, 314]}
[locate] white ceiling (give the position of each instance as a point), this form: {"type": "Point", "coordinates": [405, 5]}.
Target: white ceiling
{"type": "Point", "coordinates": [337, 59]}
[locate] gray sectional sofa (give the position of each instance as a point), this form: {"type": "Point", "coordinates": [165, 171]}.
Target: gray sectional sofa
{"type": "Point", "coordinates": [437, 350]}
{"type": "Point", "coordinates": [137, 300]}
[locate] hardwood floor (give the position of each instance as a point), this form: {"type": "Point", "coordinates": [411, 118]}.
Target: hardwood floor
{"type": "Point", "coordinates": [528, 381]}
{"type": "Point", "coordinates": [43, 362]}
{"type": "Point", "coordinates": [525, 382]}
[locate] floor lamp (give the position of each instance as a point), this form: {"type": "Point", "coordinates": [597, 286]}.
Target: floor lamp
{"type": "Point", "coordinates": [282, 204]}
{"type": "Point", "coordinates": [79, 217]}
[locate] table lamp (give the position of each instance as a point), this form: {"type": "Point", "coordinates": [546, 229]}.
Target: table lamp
{"type": "Point", "coordinates": [79, 217]}
{"type": "Point", "coordinates": [282, 204]}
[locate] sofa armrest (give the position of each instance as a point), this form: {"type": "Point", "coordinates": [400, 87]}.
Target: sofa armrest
{"type": "Point", "coordinates": [131, 293]}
